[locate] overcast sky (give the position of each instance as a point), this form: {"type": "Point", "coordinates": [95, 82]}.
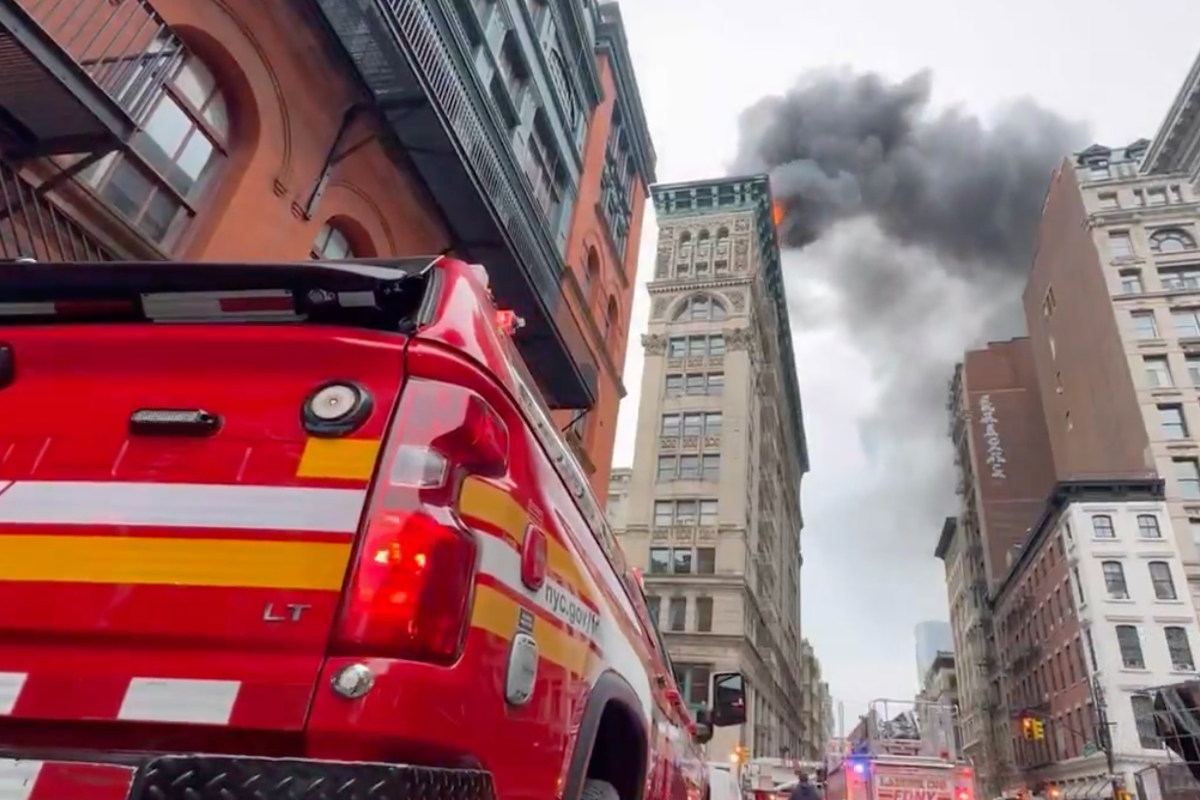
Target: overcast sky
{"type": "Point", "coordinates": [876, 496]}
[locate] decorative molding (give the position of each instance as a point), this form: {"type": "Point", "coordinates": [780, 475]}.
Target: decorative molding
{"type": "Point", "coordinates": [655, 344]}
{"type": "Point", "coordinates": [737, 300]}
{"type": "Point", "coordinates": [659, 308]}
{"type": "Point", "coordinates": [739, 339]}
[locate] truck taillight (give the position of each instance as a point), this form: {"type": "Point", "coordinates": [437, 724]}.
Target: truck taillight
{"type": "Point", "coordinates": [409, 594]}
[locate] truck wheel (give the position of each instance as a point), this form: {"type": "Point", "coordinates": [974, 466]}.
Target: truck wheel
{"type": "Point", "coordinates": [598, 790]}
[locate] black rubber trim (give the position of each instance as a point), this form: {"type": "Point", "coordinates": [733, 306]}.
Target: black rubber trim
{"type": "Point", "coordinates": [199, 777]}
{"type": "Point", "coordinates": [610, 688]}
{"type": "Point", "coordinates": [344, 426]}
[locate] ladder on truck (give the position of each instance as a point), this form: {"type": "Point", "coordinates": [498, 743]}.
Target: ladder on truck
{"type": "Point", "coordinates": [918, 730]}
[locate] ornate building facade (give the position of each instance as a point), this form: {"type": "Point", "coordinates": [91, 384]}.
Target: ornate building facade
{"type": "Point", "coordinates": [711, 507]}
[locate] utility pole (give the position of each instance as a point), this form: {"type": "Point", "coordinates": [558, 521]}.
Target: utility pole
{"type": "Point", "coordinates": [1104, 731]}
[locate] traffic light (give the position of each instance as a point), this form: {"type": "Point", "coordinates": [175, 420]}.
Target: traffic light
{"type": "Point", "coordinates": [1032, 729]}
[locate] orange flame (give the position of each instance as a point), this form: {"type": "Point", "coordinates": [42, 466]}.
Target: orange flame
{"type": "Point", "coordinates": [777, 212]}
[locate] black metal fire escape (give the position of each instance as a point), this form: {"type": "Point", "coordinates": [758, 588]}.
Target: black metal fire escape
{"type": "Point", "coordinates": [76, 78]}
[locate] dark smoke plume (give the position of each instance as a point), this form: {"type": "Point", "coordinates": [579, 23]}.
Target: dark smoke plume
{"type": "Point", "coordinates": [909, 232]}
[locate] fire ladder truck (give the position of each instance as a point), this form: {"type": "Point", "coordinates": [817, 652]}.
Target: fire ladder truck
{"type": "Point", "coordinates": [902, 751]}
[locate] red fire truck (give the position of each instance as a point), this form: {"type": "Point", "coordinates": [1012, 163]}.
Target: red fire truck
{"type": "Point", "coordinates": [305, 532]}
{"type": "Point", "coordinates": [909, 755]}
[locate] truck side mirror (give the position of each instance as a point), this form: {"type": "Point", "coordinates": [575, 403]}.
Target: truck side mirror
{"type": "Point", "coordinates": [729, 699]}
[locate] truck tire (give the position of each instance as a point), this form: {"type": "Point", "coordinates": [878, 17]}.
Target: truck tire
{"type": "Point", "coordinates": [598, 790]}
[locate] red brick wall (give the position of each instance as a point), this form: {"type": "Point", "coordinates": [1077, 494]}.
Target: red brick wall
{"type": "Point", "coordinates": [1012, 494]}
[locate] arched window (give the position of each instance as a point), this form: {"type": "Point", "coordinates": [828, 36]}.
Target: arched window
{"type": "Point", "coordinates": [1171, 240]}
{"type": "Point", "coordinates": [591, 273]}
{"type": "Point", "coordinates": [612, 318]}
{"type": "Point", "coordinates": [722, 236]}
{"type": "Point", "coordinates": [185, 137]}
{"type": "Point", "coordinates": [331, 245]}
{"type": "Point", "coordinates": [700, 308]}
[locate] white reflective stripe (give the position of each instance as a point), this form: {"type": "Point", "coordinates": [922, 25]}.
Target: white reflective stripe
{"type": "Point", "coordinates": [184, 306]}
{"type": "Point", "coordinates": [356, 299]}
{"type": "Point", "coordinates": [501, 561]}
{"type": "Point", "coordinates": [17, 778]}
{"type": "Point", "coordinates": [11, 684]}
{"type": "Point", "coordinates": [285, 508]}
{"type": "Point", "coordinates": [26, 309]}
{"type": "Point", "coordinates": [171, 700]}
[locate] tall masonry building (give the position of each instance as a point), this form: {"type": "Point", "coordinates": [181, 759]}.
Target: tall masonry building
{"type": "Point", "coordinates": [711, 508]}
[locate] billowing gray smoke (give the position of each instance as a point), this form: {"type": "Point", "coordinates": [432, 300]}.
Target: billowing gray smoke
{"type": "Point", "coordinates": [908, 234]}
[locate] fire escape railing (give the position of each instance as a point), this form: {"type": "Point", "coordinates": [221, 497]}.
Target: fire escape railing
{"type": "Point", "coordinates": [33, 227]}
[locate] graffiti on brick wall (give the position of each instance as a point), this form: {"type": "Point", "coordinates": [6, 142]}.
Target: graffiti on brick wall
{"type": "Point", "coordinates": [991, 438]}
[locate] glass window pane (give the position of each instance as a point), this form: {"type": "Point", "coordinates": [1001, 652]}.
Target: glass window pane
{"type": "Point", "coordinates": [706, 560]}
{"type": "Point", "coordinates": [192, 163]}
{"type": "Point", "coordinates": [195, 82]}
{"type": "Point", "coordinates": [167, 126]}
{"type": "Point", "coordinates": [682, 561]}
{"type": "Point", "coordinates": [160, 213]}
{"type": "Point", "coordinates": [660, 560]}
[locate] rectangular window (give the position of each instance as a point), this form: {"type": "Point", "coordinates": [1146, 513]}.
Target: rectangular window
{"type": "Point", "coordinates": [670, 425]}
{"type": "Point", "coordinates": [1098, 170]}
{"type": "Point", "coordinates": [1114, 580]}
{"type": "Point", "coordinates": [693, 424]}
{"type": "Point", "coordinates": [716, 345]}
{"type": "Point", "coordinates": [1144, 326]}
{"type": "Point", "coordinates": [1194, 524]}
{"type": "Point", "coordinates": [1193, 368]}
{"type": "Point", "coordinates": [712, 424]}
{"type": "Point", "coordinates": [681, 561]}
{"type": "Point", "coordinates": [716, 383]}
{"type": "Point", "coordinates": [1131, 647]}
{"type": "Point", "coordinates": [663, 513]}
{"type": "Point", "coordinates": [704, 614]}
{"type": "Point", "coordinates": [1078, 586]}
{"type": "Point", "coordinates": [1158, 372]}
{"type": "Point", "coordinates": [696, 385]}
{"type": "Point", "coordinates": [1179, 649]}
{"type": "Point", "coordinates": [1143, 715]}
{"type": "Point", "coordinates": [1119, 244]}
{"type": "Point", "coordinates": [708, 512]}
{"type": "Point", "coordinates": [1131, 281]}
{"type": "Point", "coordinates": [677, 347]}
{"type": "Point", "coordinates": [711, 466]}
{"type": "Point", "coordinates": [697, 346]}
{"type": "Point", "coordinates": [1180, 279]}
{"type": "Point", "coordinates": [706, 560]}
{"type": "Point", "coordinates": [674, 385]}
{"type": "Point", "coordinates": [1156, 197]}
{"type": "Point", "coordinates": [1164, 584]}
{"type": "Point", "coordinates": [1148, 526]}
{"type": "Point", "coordinates": [1187, 322]}
{"type": "Point", "coordinates": [689, 468]}
{"type": "Point", "coordinates": [685, 512]}
{"type": "Point", "coordinates": [1108, 201]}
{"type": "Point", "coordinates": [653, 608]}
{"type": "Point", "coordinates": [660, 560]}
{"type": "Point", "coordinates": [693, 680]}
{"type": "Point", "coordinates": [1171, 422]}
{"type": "Point", "coordinates": [677, 614]}
{"type": "Point", "coordinates": [666, 468]}
{"type": "Point", "coordinates": [1187, 478]}
{"type": "Point", "coordinates": [1102, 527]}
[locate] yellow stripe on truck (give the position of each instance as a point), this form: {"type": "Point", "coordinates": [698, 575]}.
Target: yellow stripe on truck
{"type": "Point", "coordinates": [488, 503]}
{"type": "Point", "coordinates": [344, 459]}
{"type": "Point", "coordinates": [497, 614]}
{"type": "Point", "coordinates": [186, 562]}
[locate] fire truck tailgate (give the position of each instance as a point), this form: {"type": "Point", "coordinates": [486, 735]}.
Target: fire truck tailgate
{"type": "Point", "coordinates": [173, 543]}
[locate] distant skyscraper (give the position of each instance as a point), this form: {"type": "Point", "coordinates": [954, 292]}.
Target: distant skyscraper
{"type": "Point", "coordinates": [932, 637]}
